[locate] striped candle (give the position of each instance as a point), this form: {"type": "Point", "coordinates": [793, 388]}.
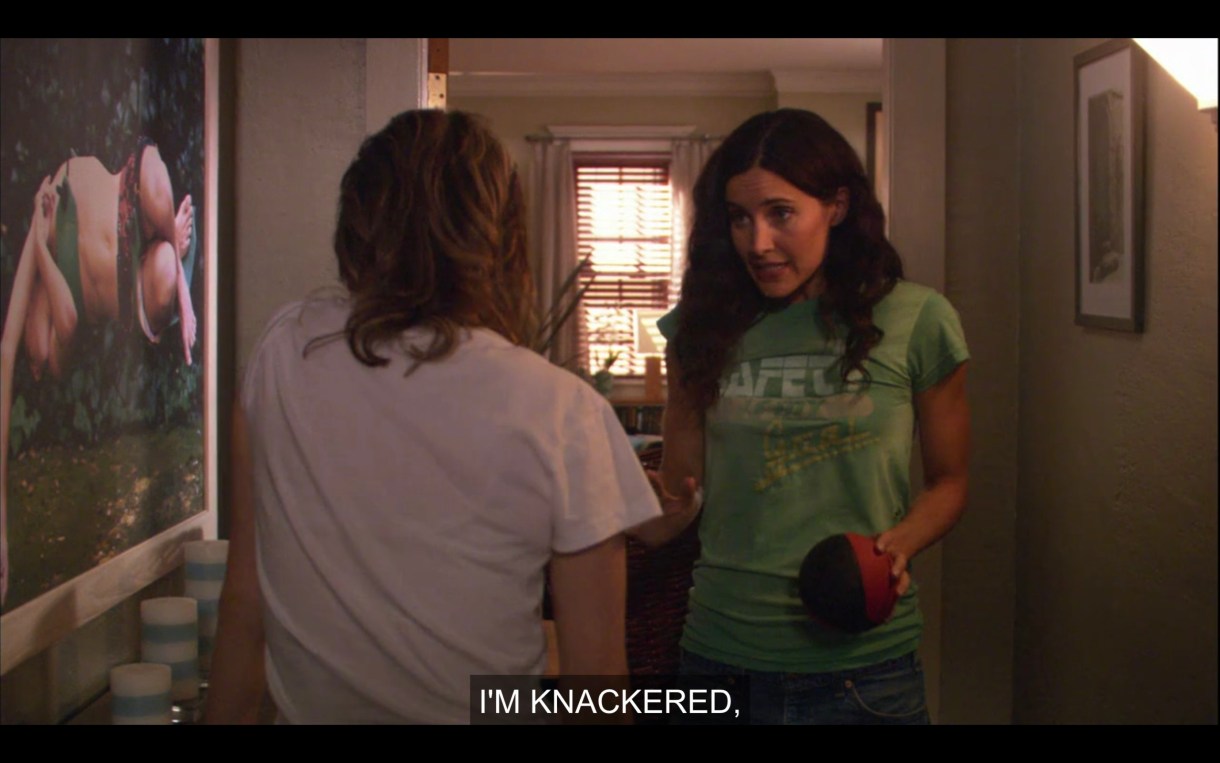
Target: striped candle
{"type": "Point", "coordinates": [139, 694]}
{"type": "Point", "coordinates": [205, 574]}
{"type": "Point", "coordinates": [170, 635]}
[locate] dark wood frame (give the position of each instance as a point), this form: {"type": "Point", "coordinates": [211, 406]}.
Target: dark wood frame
{"type": "Point", "coordinates": [1120, 67]}
{"type": "Point", "coordinates": [871, 138]}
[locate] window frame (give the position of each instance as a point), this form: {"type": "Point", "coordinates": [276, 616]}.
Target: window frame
{"type": "Point", "coordinates": [628, 140]}
{"type": "Point", "coordinates": [630, 159]}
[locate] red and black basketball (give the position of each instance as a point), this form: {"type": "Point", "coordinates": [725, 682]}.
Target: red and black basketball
{"type": "Point", "coordinates": [845, 583]}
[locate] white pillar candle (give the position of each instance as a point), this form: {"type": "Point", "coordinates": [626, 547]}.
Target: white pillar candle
{"type": "Point", "coordinates": [139, 694]}
{"type": "Point", "coordinates": [205, 574]}
{"type": "Point", "coordinates": [169, 634]}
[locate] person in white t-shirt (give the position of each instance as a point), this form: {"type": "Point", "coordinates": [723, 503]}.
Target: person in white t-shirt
{"type": "Point", "coordinates": [405, 470]}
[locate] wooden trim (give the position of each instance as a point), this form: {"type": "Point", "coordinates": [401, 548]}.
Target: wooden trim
{"type": "Point", "coordinates": [871, 109]}
{"type": "Point", "coordinates": [51, 617]}
{"type": "Point", "coordinates": [438, 55]}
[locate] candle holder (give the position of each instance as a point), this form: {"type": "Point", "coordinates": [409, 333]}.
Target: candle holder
{"type": "Point", "coordinates": [140, 694]}
{"type": "Point", "coordinates": [205, 574]}
{"type": "Point", "coordinates": [652, 378]}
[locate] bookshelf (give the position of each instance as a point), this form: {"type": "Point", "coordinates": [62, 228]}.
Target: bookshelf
{"type": "Point", "coordinates": [639, 415]}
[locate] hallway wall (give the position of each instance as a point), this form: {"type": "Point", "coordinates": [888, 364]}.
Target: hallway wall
{"type": "Point", "coordinates": [981, 279]}
{"type": "Point", "coordinates": [1116, 587]}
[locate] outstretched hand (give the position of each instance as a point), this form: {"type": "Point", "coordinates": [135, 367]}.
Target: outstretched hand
{"type": "Point", "coordinates": [677, 511]}
{"type": "Point", "coordinates": [689, 498]}
{"type": "Point", "coordinates": [886, 543]}
{"type": "Point", "coordinates": [44, 207]}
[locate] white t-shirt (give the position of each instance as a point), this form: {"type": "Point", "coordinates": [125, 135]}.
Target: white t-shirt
{"type": "Point", "coordinates": [404, 522]}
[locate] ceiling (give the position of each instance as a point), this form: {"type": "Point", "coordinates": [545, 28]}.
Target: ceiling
{"type": "Point", "coordinates": [669, 55]}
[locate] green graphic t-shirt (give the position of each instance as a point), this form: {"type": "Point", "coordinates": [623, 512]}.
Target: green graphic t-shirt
{"type": "Point", "coordinates": [794, 455]}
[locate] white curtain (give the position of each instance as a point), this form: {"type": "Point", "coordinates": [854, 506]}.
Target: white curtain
{"type": "Point", "coordinates": [552, 234]}
{"type": "Point", "coordinates": [687, 162]}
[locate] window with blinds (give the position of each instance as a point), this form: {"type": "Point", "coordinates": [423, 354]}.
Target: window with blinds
{"type": "Point", "coordinates": [624, 224]}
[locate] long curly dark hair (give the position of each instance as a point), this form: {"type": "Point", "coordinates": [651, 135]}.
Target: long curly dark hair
{"type": "Point", "coordinates": [719, 298]}
{"type": "Point", "coordinates": [431, 233]}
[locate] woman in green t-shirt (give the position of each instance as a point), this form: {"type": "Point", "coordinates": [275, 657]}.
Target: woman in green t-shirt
{"type": "Point", "coordinates": [800, 363]}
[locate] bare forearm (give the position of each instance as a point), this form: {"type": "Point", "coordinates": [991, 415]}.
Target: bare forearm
{"type": "Point", "coordinates": [663, 529]}
{"type": "Point", "coordinates": [681, 473]}
{"type": "Point", "coordinates": [589, 593]}
{"type": "Point", "coordinates": [678, 484]}
{"type": "Point", "coordinates": [682, 425]}
{"type": "Point", "coordinates": [683, 455]}
{"type": "Point", "coordinates": [933, 514]}
{"type": "Point", "coordinates": [944, 438]}
{"type": "Point", "coordinates": [238, 679]}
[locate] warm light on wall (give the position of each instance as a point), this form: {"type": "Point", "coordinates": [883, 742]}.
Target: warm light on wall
{"type": "Point", "coordinates": [1191, 61]}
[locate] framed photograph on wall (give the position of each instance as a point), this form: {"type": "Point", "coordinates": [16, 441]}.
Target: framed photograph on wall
{"type": "Point", "coordinates": [1110, 86]}
{"type": "Point", "coordinates": [108, 168]}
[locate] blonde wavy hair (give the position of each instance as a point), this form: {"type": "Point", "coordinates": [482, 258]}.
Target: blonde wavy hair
{"type": "Point", "coordinates": [431, 233]}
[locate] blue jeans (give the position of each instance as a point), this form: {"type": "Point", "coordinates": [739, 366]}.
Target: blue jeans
{"type": "Point", "coordinates": [890, 692]}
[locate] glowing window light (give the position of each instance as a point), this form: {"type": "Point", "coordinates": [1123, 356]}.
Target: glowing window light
{"type": "Point", "coordinates": [1191, 61]}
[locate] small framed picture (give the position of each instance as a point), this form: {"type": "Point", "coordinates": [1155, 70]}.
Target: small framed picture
{"type": "Point", "coordinates": [1110, 82]}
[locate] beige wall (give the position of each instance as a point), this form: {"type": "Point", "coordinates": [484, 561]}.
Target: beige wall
{"type": "Point", "coordinates": [304, 106]}
{"type": "Point", "coordinates": [1116, 592]}
{"type": "Point", "coordinates": [981, 279]}
{"type": "Point", "coordinates": [915, 117]}
{"type": "Point", "coordinates": [1084, 572]}
{"type": "Point", "coordinates": [514, 117]}
{"type": "Point", "coordinates": [848, 112]}
{"type": "Point", "coordinates": [301, 117]}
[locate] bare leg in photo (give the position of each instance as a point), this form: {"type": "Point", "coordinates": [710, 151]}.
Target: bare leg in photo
{"type": "Point", "coordinates": [36, 271]}
{"type": "Point", "coordinates": [165, 284]}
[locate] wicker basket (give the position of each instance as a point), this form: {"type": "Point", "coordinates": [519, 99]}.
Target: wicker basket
{"type": "Point", "coordinates": [658, 587]}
